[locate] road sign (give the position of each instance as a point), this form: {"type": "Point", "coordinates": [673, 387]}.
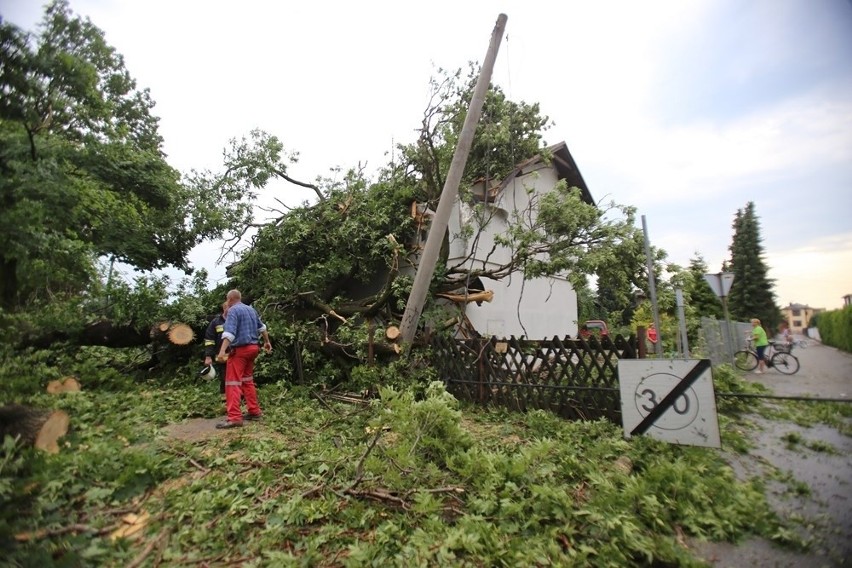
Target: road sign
{"type": "Point", "coordinates": [720, 282]}
{"type": "Point", "coordinates": [670, 400]}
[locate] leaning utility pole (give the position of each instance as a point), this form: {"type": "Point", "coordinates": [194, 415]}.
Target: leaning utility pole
{"type": "Point", "coordinates": [426, 266]}
{"type": "Point", "coordinates": [652, 288]}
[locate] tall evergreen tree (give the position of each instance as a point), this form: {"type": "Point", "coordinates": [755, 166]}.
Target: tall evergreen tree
{"type": "Point", "coordinates": [752, 294]}
{"type": "Point", "coordinates": [701, 297]}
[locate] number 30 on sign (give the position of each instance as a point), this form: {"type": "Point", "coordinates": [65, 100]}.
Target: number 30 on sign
{"type": "Point", "coordinates": [671, 400]}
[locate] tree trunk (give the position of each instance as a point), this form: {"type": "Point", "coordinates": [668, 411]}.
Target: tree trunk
{"type": "Point", "coordinates": [107, 334]}
{"type": "Point", "coordinates": [103, 333]}
{"type": "Point", "coordinates": [8, 282]}
{"type": "Point", "coordinates": [35, 426]}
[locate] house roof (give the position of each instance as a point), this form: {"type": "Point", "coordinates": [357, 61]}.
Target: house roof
{"type": "Point", "coordinates": [795, 306]}
{"type": "Point", "coordinates": [566, 168]}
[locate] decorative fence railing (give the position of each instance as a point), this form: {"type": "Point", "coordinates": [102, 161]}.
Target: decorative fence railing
{"type": "Point", "coordinates": [574, 378]}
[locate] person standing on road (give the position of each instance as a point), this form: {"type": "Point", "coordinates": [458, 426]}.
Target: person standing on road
{"type": "Point", "coordinates": [242, 328]}
{"type": "Point", "coordinates": [786, 336]}
{"type": "Point", "coordinates": [758, 334]}
{"type": "Point", "coordinates": [212, 343]}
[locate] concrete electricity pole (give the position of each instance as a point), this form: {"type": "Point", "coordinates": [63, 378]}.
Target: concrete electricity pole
{"type": "Point", "coordinates": [652, 288]}
{"type": "Point", "coordinates": [426, 266]}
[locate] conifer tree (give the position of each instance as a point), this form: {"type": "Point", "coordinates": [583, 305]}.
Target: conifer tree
{"type": "Point", "coordinates": [752, 294]}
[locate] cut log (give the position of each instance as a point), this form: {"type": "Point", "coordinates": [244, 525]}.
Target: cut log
{"type": "Point", "coordinates": [35, 426]}
{"type": "Point", "coordinates": [65, 384]}
{"type": "Point", "coordinates": [71, 384]}
{"type": "Point", "coordinates": [392, 333]}
{"type": "Point", "coordinates": [181, 334]}
{"type": "Point", "coordinates": [164, 326]}
{"type": "Point", "coordinates": [131, 526]}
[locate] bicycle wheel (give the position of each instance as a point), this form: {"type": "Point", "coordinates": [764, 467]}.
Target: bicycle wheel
{"type": "Point", "coordinates": [745, 360]}
{"type": "Point", "coordinates": [785, 363]}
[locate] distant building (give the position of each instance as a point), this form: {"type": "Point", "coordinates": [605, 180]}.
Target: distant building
{"type": "Point", "coordinates": [847, 300]}
{"type": "Point", "coordinates": [798, 316]}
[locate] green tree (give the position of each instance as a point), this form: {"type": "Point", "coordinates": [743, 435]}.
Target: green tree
{"type": "Point", "coordinates": [82, 171]}
{"type": "Point", "coordinates": [751, 294]}
{"type": "Point", "coordinates": [700, 296]}
{"type": "Point", "coordinates": [622, 272]}
{"type": "Point", "coordinates": [507, 133]}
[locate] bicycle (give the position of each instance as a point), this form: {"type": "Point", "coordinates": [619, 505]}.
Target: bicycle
{"type": "Point", "coordinates": [780, 358]}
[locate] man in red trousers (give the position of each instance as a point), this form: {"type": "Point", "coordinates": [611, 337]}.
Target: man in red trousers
{"type": "Point", "coordinates": [243, 327]}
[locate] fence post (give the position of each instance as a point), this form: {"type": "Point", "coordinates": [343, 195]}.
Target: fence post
{"type": "Point", "coordinates": [641, 347]}
{"type": "Point", "coordinates": [482, 372]}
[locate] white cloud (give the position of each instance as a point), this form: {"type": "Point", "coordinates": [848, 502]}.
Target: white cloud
{"type": "Point", "coordinates": [683, 162]}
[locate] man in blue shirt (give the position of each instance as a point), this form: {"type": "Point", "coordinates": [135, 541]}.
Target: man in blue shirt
{"type": "Point", "coordinates": [242, 329]}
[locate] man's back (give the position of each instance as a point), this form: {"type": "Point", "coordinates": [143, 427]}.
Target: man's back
{"type": "Point", "coordinates": [243, 324]}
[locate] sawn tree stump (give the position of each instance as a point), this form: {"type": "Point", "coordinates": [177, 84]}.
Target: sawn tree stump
{"type": "Point", "coordinates": [35, 426]}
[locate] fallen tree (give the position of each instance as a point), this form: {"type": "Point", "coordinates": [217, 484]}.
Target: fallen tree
{"type": "Point", "coordinates": [105, 333]}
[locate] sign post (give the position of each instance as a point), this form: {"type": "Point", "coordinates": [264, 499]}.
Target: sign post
{"type": "Point", "coordinates": [721, 283]}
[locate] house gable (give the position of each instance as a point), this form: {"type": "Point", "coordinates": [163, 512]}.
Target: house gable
{"type": "Point", "coordinates": [536, 308]}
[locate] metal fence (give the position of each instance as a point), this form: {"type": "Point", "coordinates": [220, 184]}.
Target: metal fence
{"type": "Point", "coordinates": [722, 341]}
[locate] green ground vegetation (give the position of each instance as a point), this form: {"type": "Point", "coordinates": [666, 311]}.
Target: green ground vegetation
{"type": "Point", "coordinates": [412, 478]}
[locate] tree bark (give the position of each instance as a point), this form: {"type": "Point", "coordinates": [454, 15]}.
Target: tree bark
{"type": "Point", "coordinates": [35, 426]}
{"type": "Point", "coordinates": [103, 333]}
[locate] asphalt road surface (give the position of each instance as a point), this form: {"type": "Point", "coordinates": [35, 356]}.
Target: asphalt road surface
{"type": "Point", "coordinates": [825, 372]}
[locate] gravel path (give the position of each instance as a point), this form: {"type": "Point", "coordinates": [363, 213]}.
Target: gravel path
{"type": "Point", "coordinates": [825, 373]}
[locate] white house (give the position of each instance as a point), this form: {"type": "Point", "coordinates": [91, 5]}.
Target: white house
{"type": "Point", "coordinates": [538, 308]}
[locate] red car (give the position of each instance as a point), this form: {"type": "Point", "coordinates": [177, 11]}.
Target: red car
{"type": "Point", "coordinates": [596, 327]}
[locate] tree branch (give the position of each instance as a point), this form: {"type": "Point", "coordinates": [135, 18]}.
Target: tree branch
{"type": "Point", "coordinates": [316, 189]}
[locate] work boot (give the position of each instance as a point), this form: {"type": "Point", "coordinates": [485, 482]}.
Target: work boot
{"type": "Point", "coordinates": [252, 417]}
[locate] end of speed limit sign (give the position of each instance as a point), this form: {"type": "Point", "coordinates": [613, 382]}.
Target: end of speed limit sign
{"type": "Point", "coordinates": [670, 400]}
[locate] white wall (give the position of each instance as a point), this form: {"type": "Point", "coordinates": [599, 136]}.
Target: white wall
{"type": "Point", "coordinates": [547, 307]}
{"type": "Point", "coordinates": [539, 308]}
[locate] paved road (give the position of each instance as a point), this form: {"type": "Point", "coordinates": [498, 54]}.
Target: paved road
{"type": "Point", "coordinates": [826, 373]}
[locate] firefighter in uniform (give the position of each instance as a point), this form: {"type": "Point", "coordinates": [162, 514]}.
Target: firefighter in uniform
{"type": "Point", "coordinates": [212, 343]}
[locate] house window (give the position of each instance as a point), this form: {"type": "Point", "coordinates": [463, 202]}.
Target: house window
{"type": "Point", "coordinates": [797, 323]}
{"type": "Point", "coordinates": [797, 312]}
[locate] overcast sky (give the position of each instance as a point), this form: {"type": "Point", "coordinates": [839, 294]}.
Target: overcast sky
{"type": "Point", "coordinates": [686, 110]}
